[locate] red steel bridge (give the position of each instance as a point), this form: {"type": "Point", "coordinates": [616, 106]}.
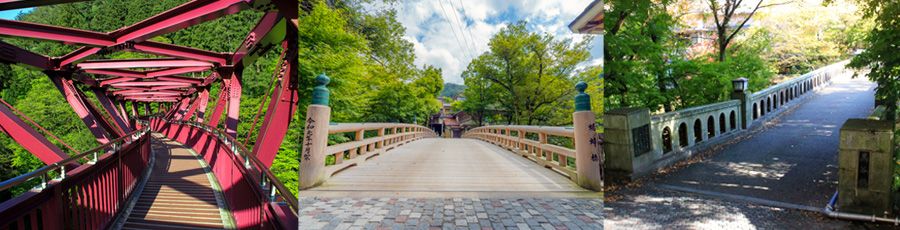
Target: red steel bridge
{"type": "Point", "coordinates": [105, 186]}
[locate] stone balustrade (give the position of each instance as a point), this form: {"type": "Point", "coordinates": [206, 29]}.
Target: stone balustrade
{"type": "Point", "coordinates": [386, 137]}
{"type": "Point", "coordinates": [639, 143]}
{"type": "Point", "coordinates": [533, 142]}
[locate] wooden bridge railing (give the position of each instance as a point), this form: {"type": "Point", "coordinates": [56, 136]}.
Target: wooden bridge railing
{"type": "Point", "coordinates": [319, 160]}
{"type": "Point", "coordinates": [361, 148]}
{"type": "Point", "coordinates": [534, 143]}
{"type": "Point", "coordinates": [575, 152]}
{"type": "Point", "coordinates": [86, 196]}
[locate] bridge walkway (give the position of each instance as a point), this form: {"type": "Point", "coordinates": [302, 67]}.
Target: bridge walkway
{"type": "Point", "coordinates": [786, 164]}
{"type": "Point", "coordinates": [180, 193]}
{"type": "Point", "coordinates": [439, 167]}
{"type": "Point", "coordinates": [792, 158]}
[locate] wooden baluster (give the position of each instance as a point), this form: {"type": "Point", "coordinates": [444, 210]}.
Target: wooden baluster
{"type": "Point", "coordinates": [360, 135]}
{"type": "Point", "coordinates": [542, 138]}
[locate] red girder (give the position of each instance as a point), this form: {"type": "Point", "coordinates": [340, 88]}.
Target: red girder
{"type": "Point", "coordinates": [29, 138]}
{"type": "Point", "coordinates": [259, 39]}
{"type": "Point", "coordinates": [14, 54]}
{"type": "Point", "coordinates": [128, 91]}
{"type": "Point", "coordinates": [116, 80]}
{"type": "Point", "coordinates": [181, 52]}
{"type": "Point", "coordinates": [164, 87]}
{"type": "Point", "coordinates": [128, 94]}
{"type": "Point", "coordinates": [110, 105]}
{"type": "Point", "coordinates": [183, 16]}
{"type": "Point", "coordinates": [176, 71]}
{"type": "Point", "coordinates": [141, 63]}
{"type": "Point", "coordinates": [221, 101]}
{"type": "Point", "coordinates": [83, 108]}
{"type": "Point", "coordinates": [56, 33]}
{"type": "Point", "coordinates": [180, 79]}
{"type": "Point", "coordinates": [117, 72]}
{"type": "Point", "coordinates": [19, 4]}
{"type": "Point", "coordinates": [282, 104]}
{"type": "Point", "coordinates": [151, 83]}
{"type": "Point", "coordinates": [77, 55]}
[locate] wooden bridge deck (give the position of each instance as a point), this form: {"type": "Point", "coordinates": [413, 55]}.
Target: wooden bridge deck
{"type": "Point", "coordinates": [437, 167]}
{"type": "Point", "coordinates": [178, 194]}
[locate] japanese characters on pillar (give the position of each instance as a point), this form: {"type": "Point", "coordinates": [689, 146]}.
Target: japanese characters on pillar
{"type": "Point", "coordinates": [588, 144]}
{"type": "Point", "coordinates": [315, 136]}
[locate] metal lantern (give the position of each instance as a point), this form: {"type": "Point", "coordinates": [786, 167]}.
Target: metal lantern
{"type": "Point", "coordinates": [739, 84]}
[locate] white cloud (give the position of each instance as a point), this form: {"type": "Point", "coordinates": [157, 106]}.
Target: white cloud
{"type": "Point", "coordinates": [431, 29]}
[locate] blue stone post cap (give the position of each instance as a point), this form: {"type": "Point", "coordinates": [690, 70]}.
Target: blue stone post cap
{"type": "Point", "coordinates": [321, 92]}
{"type": "Point", "coordinates": [582, 100]}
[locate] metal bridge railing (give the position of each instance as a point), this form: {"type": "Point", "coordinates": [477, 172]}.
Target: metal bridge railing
{"type": "Point", "coordinates": [256, 197]}
{"type": "Point", "coordinates": [85, 196]}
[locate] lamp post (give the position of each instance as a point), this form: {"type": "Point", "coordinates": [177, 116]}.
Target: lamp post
{"type": "Point", "coordinates": [741, 93]}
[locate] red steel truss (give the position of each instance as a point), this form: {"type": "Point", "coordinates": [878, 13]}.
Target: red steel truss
{"type": "Point", "coordinates": [165, 81]}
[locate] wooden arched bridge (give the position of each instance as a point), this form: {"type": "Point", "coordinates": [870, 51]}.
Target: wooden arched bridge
{"type": "Point", "coordinates": [555, 161]}
{"type": "Point", "coordinates": [171, 168]}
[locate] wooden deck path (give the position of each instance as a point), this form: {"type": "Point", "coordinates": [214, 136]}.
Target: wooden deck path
{"type": "Point", "coordinates": [437, 167]}
{"type": "Point", "coordinates": [178, 194]}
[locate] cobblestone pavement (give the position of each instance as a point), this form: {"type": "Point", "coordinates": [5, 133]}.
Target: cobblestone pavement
{"type": "Point", "coordinates": [450, 213]}
{"type": "Point", "coordinates": [648, 208]}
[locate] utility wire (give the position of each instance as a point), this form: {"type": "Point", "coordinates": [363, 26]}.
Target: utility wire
{"type": "Point", "coordinates": [458, 43]}
{"type": "Point", "coordinates": [468, 31]}
{"type": "Point", "coordinates": [461, 31]}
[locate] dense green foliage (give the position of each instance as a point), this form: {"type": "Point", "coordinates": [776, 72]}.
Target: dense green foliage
{"type": "Point", "coordinates": [527, 78]}
{"type": "Point", "coordinates": [452, 90]}
{"type": "Point", "coordinates": [362, 52]}
{"type": "Point", "coordinates": [648, 63]}
{"type": "Point", "coordinates": [880, 57]}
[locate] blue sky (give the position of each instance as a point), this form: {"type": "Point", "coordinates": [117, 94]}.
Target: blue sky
{"type": "Point", "coordinates": [450, 33]}
{"type": "Point", "coordinates": [11, 14]}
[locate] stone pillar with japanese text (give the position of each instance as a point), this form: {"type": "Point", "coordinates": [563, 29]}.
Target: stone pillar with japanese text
{"type": "Point", "coordinates": [315, 136]}
{"type": "Point", "coordinates": [588, 145]}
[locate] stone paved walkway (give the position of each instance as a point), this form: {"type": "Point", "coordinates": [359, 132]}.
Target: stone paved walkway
{"type": "Point", "coordinates": [791, 161]}
{"type": "Point", "coordinates": [450, 213]}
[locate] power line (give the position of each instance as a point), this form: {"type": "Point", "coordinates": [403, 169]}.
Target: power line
{"type": "Point", "coordinates": [461, 31]}
{"type": "Point", "coordinates": [468, 31]}
{"type": "Point", "coordinates": [458, 43]}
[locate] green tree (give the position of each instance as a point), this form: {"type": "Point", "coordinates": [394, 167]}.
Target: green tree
{"type": "Point", "coordinates": [530, 75]}
{"type": "Point", "coordinates": [880, 54]}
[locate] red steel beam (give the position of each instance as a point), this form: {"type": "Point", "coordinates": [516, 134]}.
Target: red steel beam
{"type": "Point", "coordinates": [176, 71]}
{"type": "Point", "coordinates": [98, 127]}
{"type": "Point", "coordinates": [116, 80]}
{"type": "Point", "coordinates": [183, 16]}
{"type": "Point", "coordinates": [19, 4]}
{"type": "Point", "coordinates": [141, 63]}
{"type": "Point", "coordinates": [202, 110]}
{"type": "Point", "coordinates": [28, 138]}
{"type": "Point", "coordinates": [152, 83]}
{"type": "Point", "coordinates": [234, 102]}
{"type": "Point", "coordinates": [126, 91]}
{"type": "Point", "coordinates": [221, 101]}
{"type": "Point", "coordinates": [165, 87]}
{"type": "Point", "coordinates": [117, 72]}
{"type": "Point", "coordinates": [150, 94]}
{"type": "Point", "coordinates": [55, 33]}
{"type": "Point", "coordinates": [180, 79]}
{"type": "Point", "coordinates": [282, 104]}
{"type": "Point", "coordinates": [110, 107]}
{"type": "Point", "coordinates": [201, 99]}
{"type": "Point", "coordinates": [260, 39]}
{"type": "Point", "coordinates": [181, 52]}
{"type": "Point", "coordinates": [14, 54]}
{"type": "Point", "coordinates": [77, 55]}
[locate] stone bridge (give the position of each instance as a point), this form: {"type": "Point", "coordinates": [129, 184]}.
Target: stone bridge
{"type": "Point", "coordinates": [767, 159]}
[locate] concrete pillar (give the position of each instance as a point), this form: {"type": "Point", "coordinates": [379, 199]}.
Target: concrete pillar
{"type": "Point", "coordinates": [315, 137]}
{"type": "Point", "coordinates": [627, 138]}
{"type": "Point", "coordinates": [588, 152]}
{"type": "Point", "coordinates": [866, 167]}
{"type": "Point", "coordinates": [743, 94]}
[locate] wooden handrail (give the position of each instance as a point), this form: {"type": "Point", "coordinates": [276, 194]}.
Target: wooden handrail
{"type": "Point", "coordinates": [539, 151]}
